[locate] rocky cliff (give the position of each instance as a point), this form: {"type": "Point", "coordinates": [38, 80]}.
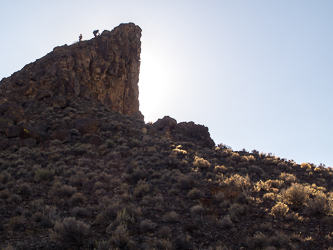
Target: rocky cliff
{"type": "Point", "coordinates": [105, 68]}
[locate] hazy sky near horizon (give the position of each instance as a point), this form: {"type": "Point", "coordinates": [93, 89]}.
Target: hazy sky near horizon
{"type": "Point", "coordinates": [257, 73]}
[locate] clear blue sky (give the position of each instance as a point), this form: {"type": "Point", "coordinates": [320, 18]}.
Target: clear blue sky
{"type": "Point", "coordinates": [258, 73]}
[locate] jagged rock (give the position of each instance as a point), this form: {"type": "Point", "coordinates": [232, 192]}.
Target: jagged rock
{"type": "Point", "coordinates": [105, 68]}
{"type": "Point", "coordinates": [30, 132]}
{"type": "Point", "coordinates": [13, 131]}
{"type": "Point", "coordinates": [166, 123]}
{"type": "Point", "coordinates": [61, 135]}
{"type": "Point", "coordinates": [183, 131]}
{"type": "Point", "coordinates": [95, 140]}
{"type": "Point", "coordinates": [86, 125]}
{"type": "Point", "coordinates": [198, 132]}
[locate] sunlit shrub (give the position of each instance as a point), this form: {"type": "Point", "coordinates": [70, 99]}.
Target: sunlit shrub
{"type": "Point", "coordinates": [280, 209]}
{"type": "Point", "coordinates": [296, 195]}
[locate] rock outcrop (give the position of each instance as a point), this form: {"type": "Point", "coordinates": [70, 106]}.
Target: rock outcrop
{"type": "Point", "coordinates": [105, 68]}
{"type": "Point", "coordinates": [184, 131]}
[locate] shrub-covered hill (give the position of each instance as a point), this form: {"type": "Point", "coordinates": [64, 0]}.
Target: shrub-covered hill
{"type": "Point", "coordinates": [80, 176]}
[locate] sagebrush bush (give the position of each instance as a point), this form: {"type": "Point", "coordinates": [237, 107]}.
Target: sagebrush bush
{"type": "Point", "coordinates": [197, 210]}
{"type": "Point", "coordinates": [258, 241]}
{"type": "Point", "coordinates": [70, 232]}
{"type": "Point", "coordinates": [147, 225]}
{"type": "Point", "coordinates": [296, 195]}
{"type": "Point", "coordinates": [16, 223]}
{"type": "Point", "coordinates": [288, 178]}
{"type": "Point", "coordinates": [239, 181]}
{"type": "Point", "coordinates": [171, 217]}
{"type": "Point", "coordinates": [280, 210]}
{"type": "Point", "coordinates": [320, 204]}
{"type": "Point", "coordinates": [62, 191]}
{"type": "Point", "coordinates": [194, 193]}
{"type": "Point", "coordinates": [44, 175]}
{"type": "Point", "coordinates": [225, 222]}
{"type": "Point", "coordinates": [108, 214]}
{"type": "Point", "coordinates": [142, 188]}
{"type": "Point", "coordinates": [201, 163]}
{"type": "Point", "coordinates": [120, 237]}
{"type": "Point", "coordinates": [77, 199]}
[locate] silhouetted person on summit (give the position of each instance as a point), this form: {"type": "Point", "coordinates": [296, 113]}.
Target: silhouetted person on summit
{"type": "Point", "coordinates": [96, 32]}
{"type": "Point", "coordinates": [80, 38]}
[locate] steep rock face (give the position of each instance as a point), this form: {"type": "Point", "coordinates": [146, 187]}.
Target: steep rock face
{"type": "Point", "coordinates": [105, 68]}
{"type": "Point", "coordinates": [184, 131]}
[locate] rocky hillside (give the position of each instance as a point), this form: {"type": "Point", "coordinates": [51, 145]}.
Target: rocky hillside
{"type": "Point", "coordinates": [79, 168]}
{"type": "Point", "coordinates": [105, 68]}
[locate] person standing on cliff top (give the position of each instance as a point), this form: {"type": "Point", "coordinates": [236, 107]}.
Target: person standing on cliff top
{"type": "Point", "coordinates": [80, 38]}
{"type": "Point", "coordinates": [96, 32]}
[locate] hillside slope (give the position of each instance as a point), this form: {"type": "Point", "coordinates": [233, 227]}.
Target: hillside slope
{"type": "Point", "coordinates": [76, 173]}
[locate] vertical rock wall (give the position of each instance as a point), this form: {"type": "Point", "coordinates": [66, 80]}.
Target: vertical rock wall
{"type": "Point", "coordinates": [105, 68]}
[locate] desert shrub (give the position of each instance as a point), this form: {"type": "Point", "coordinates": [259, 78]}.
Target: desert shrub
{"type": "Point", "coordinates": [238, 181]}
{"type": "Point", "coordinates": [225, 222]}
{"type": "Point", "coordinates": [275, 183]}
{"type": "Point", "coordinates": [78, 149]}
{"type": "Point", "coordinates": [70, 232]}
{"type": "Point", "coordinates": [306, 166]}
{"type": "Point", "coordinates": [262, 186]}
{"type": "Point", "coordinates": [182, 242]}
{"type": "Point", "coordinates": [222, 169]}
{"type": "Point", "coordinates": [8, 247]}
{"type": "Point", "coordinates": [186, 182]}
{"type": "Point", "coordinates": [5, 177]}
{"type": "Point", "coordinates": [108, 214]}
{"type": "Point", "coordinates": [141, 189]}
{"type": "Point", "coordinates": [135, 143]}
{"type": "Point", "coordinates": [42, 219]}
{"type": "Point", "coordinates": [164, 232]}
{"type": "Point", "coordinates": [80, 212]}
{"type": "Point", "coordinates": [24, 189]}
{"type": "Point", "coordinates": [78, 180]}
{"type": "Point", "coordinates": [197, 210]}
{"type": "Point", "coordinates": [62, 190]}
{"type": "Point", "coordinates": [99, 185]}
{"type": "Point", "coordinates": [77, 199]}
{"type": "Point", "coordinates": [138, 173]}
{"type": "Point", "coordinates": [44, 174]}
{"type": "Point", "coordinates": [102, 245]}
{"type": "Point", "coordinates": [280, 209]}
{"type": "Point", "coordinates": [295, 217]}
{"type": "Point", "coordinates": [171, 217]}
{"type": "Point", "coordinates": [16, 223]}
{"type": "Point", "coordinates": [288, 178]}
{"type": "Point", "coordinates": [153, 201]}
{"type": "Point", "coordinates": [318, 205]}
{"type": "Point", "coordinates": [270, 196]}
{"type": "Point", "coordinates": [201, 163]}
{"type": "Point", "coordinates": [124, 217]}
{"type": "Point", "coordinates": [296, 195]}
{"type": "Point", "coordinates": [257, 170]}
{"type": "Point", "coordinates": [258, 241]}
{"type": "Point", "coordinates": [280, 240]}
{"type": "Point", "coordinates": [194, 193]}
{"type": "Point", "coordinates": [235, 157]}
{"type": "Point", "coordinates": [236, 210]}
{"type": "Point", "coordinates": [163, 244]}
{"type": "Point", "coordinates": [4, 194]}
{"type": "Point", "coordinates": [120, 237]}
{"type": "Point", "coordinates": [38, 216]}
{"type": "Point", "coordinates": [147, 225]}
